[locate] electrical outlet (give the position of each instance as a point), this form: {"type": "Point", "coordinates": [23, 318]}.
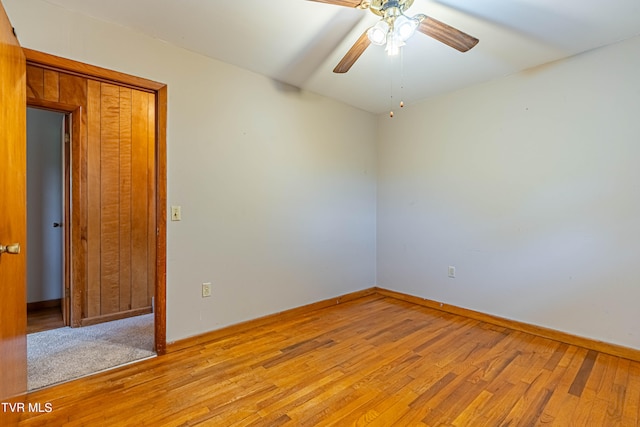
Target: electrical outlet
{"type": "Point", "coordinates": [452, 271]}
{"type": "Point", "coordinates": [206, 290]}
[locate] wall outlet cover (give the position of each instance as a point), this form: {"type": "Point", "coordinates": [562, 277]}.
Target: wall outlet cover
{"type": "Point", "coordinates": [206, 290]}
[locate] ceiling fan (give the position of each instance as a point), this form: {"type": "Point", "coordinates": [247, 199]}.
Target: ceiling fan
{"type": "Point", "coordinates": [394, 28]}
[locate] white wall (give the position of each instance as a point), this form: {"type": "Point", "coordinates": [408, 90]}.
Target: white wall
{"type": "Point", "coordinates": [277, 187]}
{"type": "Point", "coordinates": [530, 187]}
{"type": "Point", "coordinates": [44, 205]}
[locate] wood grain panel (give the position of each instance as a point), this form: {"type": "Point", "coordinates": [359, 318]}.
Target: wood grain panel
{"type": "Point", "coordinates": [151, 197]}
{"type": "Point", "coordinates": [108, 221]}
{"type": "Point", "coordinates": [51, 88]}
{"type": "Point", "coordinates": [139, 174]}
{"type": "Point", "coordinates": [93, 196]}
{"type": "Point", "coordinates": [35, 82]}
{"type": "Point", "coordinates": [161, 221]}
{"type": "Point", "coordinates": [125, 199]}
{"type": "Point", "coordinates": [109, 199]}
{"type": "Point", "coordinates": [77, 214]}
{"type": "Point", "coordinates": [354, 364]}
{"type": "Point", "coordinates": [73, 89]}
{"type": "Point", "coordinates": [53, 106]}
{"type": "Point", "coordinates": [69, 134]}
{"type": "Point", "coordinates": [115, 316]}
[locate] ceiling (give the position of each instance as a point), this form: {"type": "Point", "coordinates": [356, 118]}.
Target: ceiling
{"type": "Point", "coordinates": [299, 42]}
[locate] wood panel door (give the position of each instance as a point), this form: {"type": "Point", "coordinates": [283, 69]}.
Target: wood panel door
{"type": "Point", "coordinates": [77, 88]}
{"type": "Point", "coordinates": [113, 192]}
{"type": "Point", "coordinates": [121, 201]}
{"type": "Point", "coordinates": [13, 217]}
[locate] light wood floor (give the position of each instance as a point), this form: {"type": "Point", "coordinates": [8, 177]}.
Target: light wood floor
{"type": "Point", "coordinates": [374, 361]}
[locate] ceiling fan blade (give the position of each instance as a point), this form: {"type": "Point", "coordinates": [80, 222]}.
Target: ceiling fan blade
{"type": "Point", "coordinates": [354, 53]}
{"type": "Point", "coordinates": [447, 34]}
{"type": "Point", "coordinates": [346, 3]}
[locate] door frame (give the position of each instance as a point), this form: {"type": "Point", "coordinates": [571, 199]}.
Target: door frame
{"type": "Point", "coordinates": [72, 127]}
{"type": "Point", "coordinates": [68, 66]}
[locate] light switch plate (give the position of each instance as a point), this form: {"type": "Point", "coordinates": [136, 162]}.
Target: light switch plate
{"type": "Point", "coordinates": [176, 213]}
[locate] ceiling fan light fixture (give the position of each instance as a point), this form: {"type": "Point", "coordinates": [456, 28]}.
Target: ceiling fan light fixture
{"type": "Point", "coordinates": [395, 28]}
{"type": "Point", "coordinates": [404, 27]}
{"type": "Point", "coordinates": [378, 33]}
{"type": "Point", "coordinates": [394, 43]}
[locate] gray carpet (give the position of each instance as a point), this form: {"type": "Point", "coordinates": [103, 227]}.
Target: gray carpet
{"type": "Point", "coordinates": [63, 354]}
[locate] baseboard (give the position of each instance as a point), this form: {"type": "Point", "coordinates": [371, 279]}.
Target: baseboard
{"type": "Point", "coordinates": [266, 320]}
{"type": "Point", "coordinates": [115, 316]}
{"type": "Point", "coordinates": [41, 305]}
{"type": "Point", "coordinates": [588, 343]}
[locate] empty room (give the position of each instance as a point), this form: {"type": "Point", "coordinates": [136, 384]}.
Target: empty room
{"type": "Point", "coordinates": [332, 212]}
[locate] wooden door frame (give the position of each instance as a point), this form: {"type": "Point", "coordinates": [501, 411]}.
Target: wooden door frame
{"type": "Point", "coordinates": [92, 72]}
{"type": "Point", "coordinates": [71, 130]}
{"type": "Point", "coordinates": [72, 126]}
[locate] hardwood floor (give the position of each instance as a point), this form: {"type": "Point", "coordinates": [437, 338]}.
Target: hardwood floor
{"type": "Point", "coordinates": [374, 361]}
{"type": "Point", "coordinates": [44, 319]}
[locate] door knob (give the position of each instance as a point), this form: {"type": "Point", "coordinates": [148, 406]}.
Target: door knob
{"type": "Point", "coordinates": [57, 224]}
{"type": "Point", "coordinates": [10, 249]}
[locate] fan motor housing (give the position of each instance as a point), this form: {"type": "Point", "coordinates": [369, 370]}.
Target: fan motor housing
{"type": "Point", "coordinates": [379, 6]}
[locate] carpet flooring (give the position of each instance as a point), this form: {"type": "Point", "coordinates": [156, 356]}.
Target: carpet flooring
{"type": "Point", "coordinates": [59, 355]}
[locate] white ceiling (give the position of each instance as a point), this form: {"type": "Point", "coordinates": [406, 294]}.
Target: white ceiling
{"type": "Point", "coordinates": [299, 42]}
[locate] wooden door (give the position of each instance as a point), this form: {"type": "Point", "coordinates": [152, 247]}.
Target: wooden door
{"type": "Point", "coordinates": [65, 85]}
{"type": "Point", "coordinates": [13, 217]}
{"type": "Point", "coordinates": [113, 185]}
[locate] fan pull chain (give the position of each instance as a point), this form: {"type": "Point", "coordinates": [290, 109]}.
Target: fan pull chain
{"type": "Point", "coordinates": [391, 107]}
{"type": "Point", "coordinates": [401, 78]}
{"type": "Point", "coordinates": [401, 59]}
{"type": "Point", "coordinates": [391, 100]}
{"type": "Point", "coordinates": [391, 87]}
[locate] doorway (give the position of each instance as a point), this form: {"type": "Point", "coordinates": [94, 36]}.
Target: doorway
{"type": "Point", "coordinates": [45, 220]}
{"type": "Point", "coordinates": [115, 210]}
{"type": "Point", "coordinates": [117, 188]}
{"type": "Point", "coordinates": [13, 93]}
{"type": "Point", "coordinates": [55, 351]}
